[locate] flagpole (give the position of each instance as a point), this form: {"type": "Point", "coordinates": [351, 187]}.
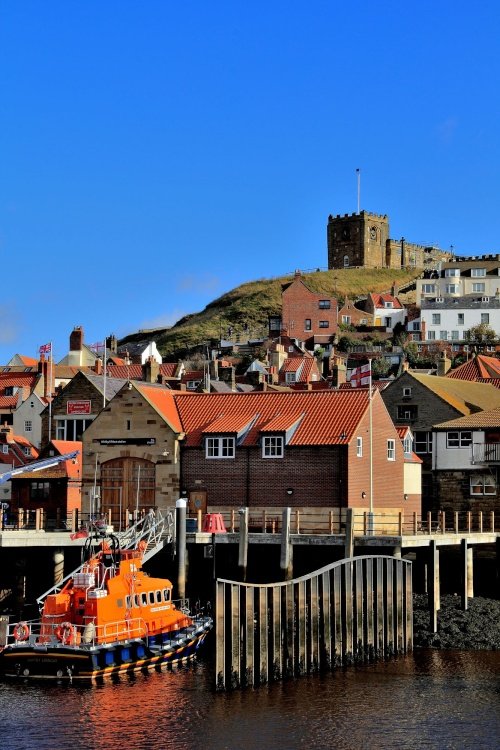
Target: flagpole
{"type": "Point", "coordinates": [370, 411]}
{"type": "Point", "coordinates": [104, 385]}
{"type": "Point", "coordinates": [50, 394]}
{"type": "Point", "coordinates": [359, 186]}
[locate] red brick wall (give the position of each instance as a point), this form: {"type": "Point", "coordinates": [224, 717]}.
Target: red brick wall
{"type": "Point", "coordinates": [316, 475]}
{"type": "Point", "coordinates": [299, 304]}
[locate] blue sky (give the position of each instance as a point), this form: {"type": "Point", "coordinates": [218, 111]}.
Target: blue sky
{"type": "Point", "coordinates": [155, 155]}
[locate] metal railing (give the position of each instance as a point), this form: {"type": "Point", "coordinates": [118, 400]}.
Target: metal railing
{"type": "Point", "coordinates": [485, 453]}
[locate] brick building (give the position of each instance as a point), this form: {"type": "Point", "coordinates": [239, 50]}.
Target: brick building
{"type": "Point", "coordinates": [307, 316]}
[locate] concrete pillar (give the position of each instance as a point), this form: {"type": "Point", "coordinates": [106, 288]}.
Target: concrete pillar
{"type": "Point", "coordinates": [58, 566]}
{"type": "Point", "coordinates": [180, 507]}
{"type": "Point", "coordinates": [349, 533]}
{"type": "Point", "coordinates": [434, 598]}
{"type": "Point", "coordinates": [286, 559]}
{"type": "Point", "coordinates": [396, 552]}
{"type": "Point", "coordinates": [243, 543]}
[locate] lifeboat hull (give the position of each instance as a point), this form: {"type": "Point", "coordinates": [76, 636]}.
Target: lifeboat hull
{"type": "Point", "coordinates": [32, 662]}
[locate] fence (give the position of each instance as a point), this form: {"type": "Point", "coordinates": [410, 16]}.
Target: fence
{"type": "Point", "coordinates": [351, 611]}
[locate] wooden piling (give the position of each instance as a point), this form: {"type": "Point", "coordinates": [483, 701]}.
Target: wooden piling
{"type": "Point", "coordinates": [350, 611]}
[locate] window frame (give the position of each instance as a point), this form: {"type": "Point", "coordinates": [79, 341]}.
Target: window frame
{"type": "Point", "coordinates": [391, 449]}
{"type": "Point", "coordinates": [359, 447]}
{"type": "Point", "coordinates": [273, 446]}
{"type": "Point", "coordinates": [220, 447]}
{"type": "Point", "coordinates": [481, 482]}
{"type": "Point", "coordinates": [460, 441]}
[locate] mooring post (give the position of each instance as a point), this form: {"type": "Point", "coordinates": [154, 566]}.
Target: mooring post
{"type": "Point", "coordinates": [470, 572]}
{"type": "Point", "coordinates": [286, 559]}
{"type": "Point", "coordinates": [349, 533]}
{"type": "Point", "coordinates": [464, 551]}
{"type": "Point", "coordinates": [180, 507]}
{"type": "Point", "coordinates": [243, 545]}
{"type": "Point", "coordinates": [58, 566]}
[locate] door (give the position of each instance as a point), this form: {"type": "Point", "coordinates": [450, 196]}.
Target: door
{"type": "Point", "coordinates": [127, 488]}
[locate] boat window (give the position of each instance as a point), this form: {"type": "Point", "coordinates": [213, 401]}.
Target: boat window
{"type": "Point", "coordinates": [136, 600]}
{"type": "Point", "coordinates": [151, 597]}
{"type": "Point", "coordinates": [144, 599]}
{"type": "Point", "coordinates": [129, 601]}
{"type": "Point", "coordinates": [158, 597]}
{"type": "Point", "coordinates": [166, 595]}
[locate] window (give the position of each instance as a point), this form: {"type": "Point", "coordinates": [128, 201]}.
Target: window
{"type": "Point", "coordinates": [455, 335]}
{"type": "Point", "coordinates": [272, 446]}
{"type": "Point", "coordinates": [407, 445]}
{"type": "Point", "coordinates": [407, 413]}
{"type": "Point", "coordinates": [428, 288]}
{"type": "Point", "coordinates": [407, 392]}
{"type": "Point", "coordinates": [443, 335]}
{"type": "Point", "coordinates": [307, 324]}
{"type": "Point", "coordinates": [391, 450]}
{"type": "Point", "coordinates": [483, 484]}
{"type": "Point", "coordinates": [8, 390]}
{"type": "Point", "coordinates": [423, 442]}
{"type": "Point", "coordinates": [415, 326]}
{"type": "Point", "coordinates": [129, 424]}
{"type": "Point", "coordinates": [166, 595]}
{"type": "Point", "coordinates": [219, 447]}
{"type": "Point", "coordinates": [436, 319]}
{"type": "Point", "coordinates": [192, 385]}
{"type": "Point", "coordinates": [431, 335]}
{"type": "Point", "coordinates": [452, 289]}
{"type": "Point", "coordinates": [449, 272]}
{"type": "Point", "coordinates": [290, 377]}
{"type": "Point", "coordinates": [28, 425]}
{"type": "Point", "coordinates": [359, 447]}
{"type": "Point", "coordinates": [27, 450]}
{"type": "Point", "coordinates": [5, 448]}
{"type": "Point", "coordinates": [478, 287]}
{"type": "Point", "coordinates": [346, 261]}
{"type": "Point", "coordinates": [460, 319]}
{"type": "Point", "coordinates": [388, 304]}
{"type": "Point", "coordinates": [39, 490]}
{"type": "Point", "coordinates": [324, 304]}
{"type": "Point", "coordinates": [324, 324]}
{"type": "Point", "coordinates": [71, 429]}
{"type": "Point", "coordinates": [458, 439]}
{"type": "Point", "coordinates": [485, 317]}
{"type": "Point", "coordinates": [346, 320]}
{"type": "Point", "coordinates": [478, 272]}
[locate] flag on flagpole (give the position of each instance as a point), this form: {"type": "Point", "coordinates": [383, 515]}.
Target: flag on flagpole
{"type": "Point", "coordinates": [99, 346]}
{"type": "Point", "coordinates": [46, 349]}
{"type": "Point", "coordinates": [360, 376]}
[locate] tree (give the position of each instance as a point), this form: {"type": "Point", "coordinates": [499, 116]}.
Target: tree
{"type": "Point", "coordinates": [481, 335]}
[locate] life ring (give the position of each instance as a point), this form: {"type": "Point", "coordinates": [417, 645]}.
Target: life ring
{"type": "Point", "coordinates": [66, 633]}
{"type": "Point", "coordinates": [21, 631]}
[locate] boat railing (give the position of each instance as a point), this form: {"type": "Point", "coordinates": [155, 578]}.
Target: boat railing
{"type": "Point", "coordinates": [40, 633]}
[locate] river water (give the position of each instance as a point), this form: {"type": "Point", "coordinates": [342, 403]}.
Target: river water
{"type": "Point", "coordinates": [430, 699]}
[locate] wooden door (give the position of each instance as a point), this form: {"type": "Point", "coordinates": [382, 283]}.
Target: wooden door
{"type": "Point", "coordinates": [127, 487]}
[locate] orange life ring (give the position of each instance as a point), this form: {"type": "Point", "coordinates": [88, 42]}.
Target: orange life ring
{"type": "Point", "coordinates": [66, 633]}
{"type": "Point", "coordinates": [21, 631]}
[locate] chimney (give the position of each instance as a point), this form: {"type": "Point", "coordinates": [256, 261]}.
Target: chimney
{"type": "Point", "coordinates": [394, 289]}
{"type": "Point", "coordinates": [214, 369]}
{"type": "Point", "coordinates": [443, 364]}
{"type": "Point", "coordinates": [98, 366]}
{"type": "Point", "coordinates": [150, 370]}
{"type": "Point", "coordinates": [76, 339]}
{"type": "Point", "coordinates": [339, 374]}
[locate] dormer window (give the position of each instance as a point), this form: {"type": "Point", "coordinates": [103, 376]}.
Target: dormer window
{"type": "Point", "coordinates": [451, 272]}
{"type": "Point", "coordinates": [478, 272]}
{"type": "Point", "coordinates": [272, 446]}
{"type": "Point", "coordinates": [219, 447]}
{"type": "Point", "coordinates": [388, 304]}
{"type": "Point", "coordinates": [290, 377]}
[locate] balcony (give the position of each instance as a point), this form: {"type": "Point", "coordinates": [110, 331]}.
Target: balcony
{"type": "Point", "coordinates": [486, 453]}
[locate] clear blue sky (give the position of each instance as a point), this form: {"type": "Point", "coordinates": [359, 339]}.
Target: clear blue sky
{"type": "Point", "coordinates": [155, 155]}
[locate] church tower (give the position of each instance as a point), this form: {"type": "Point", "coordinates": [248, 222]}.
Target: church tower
{"type": "Point", "coordinates": [357, 240]}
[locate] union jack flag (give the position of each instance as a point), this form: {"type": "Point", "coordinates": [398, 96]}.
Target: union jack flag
{"type": "Point", "coordinates": [46, 349]}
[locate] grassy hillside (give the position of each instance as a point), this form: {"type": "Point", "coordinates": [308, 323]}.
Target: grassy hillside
{"type": "Point", "coordinates": [253, 302]}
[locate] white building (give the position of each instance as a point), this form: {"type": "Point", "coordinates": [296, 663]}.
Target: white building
{"type": "Point", "coordinates": [474, 275]}
{"type": "Point", "coordinates": [447, 319]}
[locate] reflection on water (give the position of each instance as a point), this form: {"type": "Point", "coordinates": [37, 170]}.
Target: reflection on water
{"type": "Point", "coordinates": [432, 699]}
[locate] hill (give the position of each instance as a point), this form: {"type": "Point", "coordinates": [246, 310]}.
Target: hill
{"type": "Point", "coordinates": [251, 304]}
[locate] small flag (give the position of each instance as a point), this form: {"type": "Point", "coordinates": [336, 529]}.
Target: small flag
{"type": "Point", "coordinates": [360, 376]}
{"type": "Point", "coordinates": [46, 349]}
{"type": "Point", "coordinates": [100, 346]}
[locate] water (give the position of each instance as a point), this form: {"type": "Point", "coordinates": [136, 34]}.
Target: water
{"type": "Point", "coordinates": [431, 699]}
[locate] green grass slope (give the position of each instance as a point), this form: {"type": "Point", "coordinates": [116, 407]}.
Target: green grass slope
{"type": "Point", "coordinates": [253, 302]}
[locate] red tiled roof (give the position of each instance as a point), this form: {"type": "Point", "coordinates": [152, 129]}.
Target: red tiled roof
{"type": "Point", "coordinates": [402, 431]}
{"type": "Point", "coordinates": [379, 299]}
{"type": "Point", "coordinates": [162, 401]}
{"type": "Point", "coordinates": [28, 361]}
{"type": "Point", "coordinates": [330, 417]}
{"type": "Point", "coordinates": [292, 364]}
{"type": "Point", "coordinates": [19, 379]}
{"type": "Point", "coordinates": [281, 423]}
{"type": "Point", "coordinates": [229, 423]}
{"type": "Point", "coordinates": [8, 402]}
{"type": "Point", "coordinates": [477, 367]}
{"type": "Point", "coordinates": [126, 372]}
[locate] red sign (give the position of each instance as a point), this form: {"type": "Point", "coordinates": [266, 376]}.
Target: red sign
{"type": "Point", "coordinates": [78, 407]}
